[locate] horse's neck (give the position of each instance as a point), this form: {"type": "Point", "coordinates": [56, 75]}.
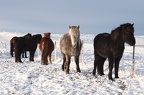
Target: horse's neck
{"type": "Point", "coordinates": [116, 36]}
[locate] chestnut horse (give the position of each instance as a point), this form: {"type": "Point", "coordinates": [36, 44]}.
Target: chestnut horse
{"type": "Point", "coordinates": [112, 46]}
{"type": "Point", "coordinates": [46, 46]}
{"type": "Point", "coordinates": [70, 45]}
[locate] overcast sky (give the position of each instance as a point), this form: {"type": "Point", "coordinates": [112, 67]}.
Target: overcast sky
{"type": "Point", "coordinates": [93, 16]}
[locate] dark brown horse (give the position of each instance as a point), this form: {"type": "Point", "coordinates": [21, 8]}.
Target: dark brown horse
{"type": "Point", "coordinates": [13, 41]}
{"type": "Point", "coordinates": [70, 45]}
{"type": "Point", "coordinates": [26, 44]}
{"type": "Point", "coordinates": [112, 46]}
{"type": "Point", "coordinates": [37, 37]}
{"type": "Point", "coordinates": [46, 46]}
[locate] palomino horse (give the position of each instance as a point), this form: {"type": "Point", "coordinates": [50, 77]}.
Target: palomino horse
{"type": "Point", "coordinates": [46, 46]}
{"type": "Point", "coordinates": [70, 45]}
{"type": "Point", "coordinates": [112, 46]}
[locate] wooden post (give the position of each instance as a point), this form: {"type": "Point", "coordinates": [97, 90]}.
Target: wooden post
{"type": "Point", "coordinates": [82, 53]}
{"type": "Point", "coordinates": [55, 50]}
{"type": "Point", "coordinates": [132, 76]}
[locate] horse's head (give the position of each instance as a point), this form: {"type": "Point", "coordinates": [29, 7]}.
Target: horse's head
{"type": "Point", "coordinates": [47, 34]}
{"type": "Point", "coordinates": [28, 35]}
{"type": "Point", "coordinates": [74, 34]}
{"type": "Point", "coordinates": [128, 33]}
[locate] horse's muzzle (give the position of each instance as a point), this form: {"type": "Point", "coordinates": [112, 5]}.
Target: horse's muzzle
{"type": "Point", "coordinates": [74, 46]}
{"type": "Point", "coordinates": [133, 42]}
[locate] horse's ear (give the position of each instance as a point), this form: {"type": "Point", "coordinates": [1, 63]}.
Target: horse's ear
{"type": "Point", "coordinates": [133, 24]}
{"type": "Point", "coordinates": [78, 26]}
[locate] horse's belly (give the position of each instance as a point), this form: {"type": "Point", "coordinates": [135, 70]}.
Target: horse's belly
{"type": "Point", "coordinates": [102, 54]}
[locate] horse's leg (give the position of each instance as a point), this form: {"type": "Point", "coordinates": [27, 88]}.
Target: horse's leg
{"type": "Point", "coordinates": [77, 63]}
{"type": "Point", "coordinates": [49, 57]}
{"type": "Point", "coordinates": [16, 56]}
{"type": "Point", "coordinates": [44, 60]}
{"type": "Point", "coordinates": [11, 49]}
{"type": "Point", "coordinates": [111, 62]}
{"type": "Point", "coordinates": [100, 66]}
{"type": "Point", "coordinates": [31, 56]}
{"type": "Point", "coordinates": [64, 60]}
{"type": "Point", "coordinates": [19, 57]}
{"type": "Point", "coordinates": [96, 62]}
{"type": "Point", "coordinates": [67, 64]}
{"type": "Point", "coordinates": [25, 54]}
{"type": "Point", "coordinates": [117, 60]}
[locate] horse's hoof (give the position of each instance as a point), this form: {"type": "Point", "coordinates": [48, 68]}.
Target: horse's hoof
{"type": "Point", "coordinates": [94, 73]}
{"type": "Point", "coordinates": [116, 77]}
{"type": "Point", "coordinates": [79, 71]}
{"type": "Point", "coordinates": [111, 79]}
{"type": "Point", "coordinates": [67, 72]}
{"type": "Point", "coordinates": [102, 74]}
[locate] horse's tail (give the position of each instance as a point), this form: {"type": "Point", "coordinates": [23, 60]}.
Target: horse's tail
{"type": "Point", "coordinates": [80, 45]}
{"type": "Point", "coordinates": [16, 51]}
{"type": "Point", "coordinates": [44, 60]}
{"type": "Point", "coordinates": [11, 48]}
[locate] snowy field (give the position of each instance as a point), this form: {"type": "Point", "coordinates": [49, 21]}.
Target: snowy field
{"type": "Point", "coordinates": [32, 78]}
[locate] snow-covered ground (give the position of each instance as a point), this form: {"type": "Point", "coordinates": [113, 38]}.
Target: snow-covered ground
{"type": "Point", "coordinates": [32, 78]}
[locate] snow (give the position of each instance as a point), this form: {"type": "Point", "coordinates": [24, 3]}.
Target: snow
{"type": "Point", "coordinates": [32, 78]}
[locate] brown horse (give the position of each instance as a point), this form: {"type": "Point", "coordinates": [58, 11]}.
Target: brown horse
{"type": "Point", "coordinates": [70, 45]}
{"type": "Point", "coordinates": [46, 46]}
{"type": "Point", "coordinates": [24, 44]}
{"type": "Point", "coordinates": [13, 42]}
{"type": "Point", "coordinates": [112, 46]}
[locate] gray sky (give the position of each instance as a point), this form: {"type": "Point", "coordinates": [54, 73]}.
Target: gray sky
{"type": "Point", "coordinates": [93, 16]}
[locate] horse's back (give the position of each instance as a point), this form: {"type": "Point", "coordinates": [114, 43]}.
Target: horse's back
{"type": "Point", "coordinates": [50, 44]}
{"type": "Point", "coordinates": [20, 43]}
{"type": "Point", "coordinates": [102, 43]}
{"type": "Point", "coordinates": [46, 42]}
{"type": "Point", "coordinates": [102, 38]}
{"type": "Point", "coordinates": [13, 39]}
{"type": "Point", "coordinates": [37, 37]}
{"type": "Point", "coordinates": [65, 42]}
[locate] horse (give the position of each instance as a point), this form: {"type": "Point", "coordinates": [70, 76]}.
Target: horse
{"type": "Point", "coordinates": [46, 46]}
{"type": "Point", "coordinates": [70, 45]}
{"type": "Point", "coordinates": [13, 41]}
{"type": "Point", "coordinates": [112, 46]}
{"type": "Point", "coordinates": [38, 38]}
{"type": "Point", "coordinates": [25, 44]}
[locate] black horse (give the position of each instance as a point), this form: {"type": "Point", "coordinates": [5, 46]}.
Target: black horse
{"type": "Point", "coordinates": [111, 46]}
{"type": "Point", "coordinates": [24, 44]}
{"type": "Point", "coordinates": [37, 38]}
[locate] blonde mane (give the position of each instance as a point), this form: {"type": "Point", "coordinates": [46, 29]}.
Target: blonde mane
{"type": "Point", "coordinates": [74, 34]}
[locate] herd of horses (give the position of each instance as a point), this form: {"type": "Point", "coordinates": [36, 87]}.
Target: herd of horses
{"type": "Point", "coordinates": [106, 45]}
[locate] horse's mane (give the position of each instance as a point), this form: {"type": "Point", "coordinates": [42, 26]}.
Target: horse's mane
{"type": "Point", "coordinates": [116, 33]}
